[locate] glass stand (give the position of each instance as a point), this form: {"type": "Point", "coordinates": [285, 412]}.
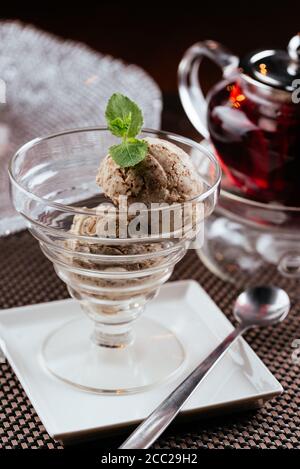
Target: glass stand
{"type": "Point", "coordinates": [153, 355]}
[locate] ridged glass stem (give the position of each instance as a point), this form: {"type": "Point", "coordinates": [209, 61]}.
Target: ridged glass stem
{"type": "Point", "coordinates": [113, 336]}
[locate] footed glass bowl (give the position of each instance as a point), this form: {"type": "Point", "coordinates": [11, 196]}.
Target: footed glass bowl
{"type": "Point", "coordinates": [113, 271]}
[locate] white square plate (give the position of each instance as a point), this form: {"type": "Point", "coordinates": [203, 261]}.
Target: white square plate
{"type": "Point", "coordinates": [240, 380]}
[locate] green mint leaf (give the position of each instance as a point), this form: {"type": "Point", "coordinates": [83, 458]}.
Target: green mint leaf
{"type": "Point", "coordinates": [129, 153]}
{"type": "Point", "coordinates": [119, 127]}
{"type": "Point", "coordinates": [125, 120]}
{"type": "Point", "coordinates": [124, 117]}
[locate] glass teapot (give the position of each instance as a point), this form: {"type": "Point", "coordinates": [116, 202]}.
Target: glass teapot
{"type": "Point", "coordinates": [252, 117]}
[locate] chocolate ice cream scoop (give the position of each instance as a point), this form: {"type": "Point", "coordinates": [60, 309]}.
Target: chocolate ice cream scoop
{"type": "Point", "coordinates": [91, 226]}
{"type": "Point", "coordinates": [165, 175]}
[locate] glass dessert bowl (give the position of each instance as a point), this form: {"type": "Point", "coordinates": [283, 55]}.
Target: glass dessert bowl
{"type": "Point", "coordinates": [111, 349]}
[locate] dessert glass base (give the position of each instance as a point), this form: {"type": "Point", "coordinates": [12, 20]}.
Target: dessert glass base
{"type": "Point", "coordinates": [154, 355]}
{"type": "Point", "coordinates": [247, 240]}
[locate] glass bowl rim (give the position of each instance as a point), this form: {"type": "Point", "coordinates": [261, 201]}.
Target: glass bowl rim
{"type": "Point", "coordinates": [77, 210]}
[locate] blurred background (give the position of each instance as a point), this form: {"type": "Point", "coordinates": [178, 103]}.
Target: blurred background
{"type": "Point", "coordinates": [154, 35]}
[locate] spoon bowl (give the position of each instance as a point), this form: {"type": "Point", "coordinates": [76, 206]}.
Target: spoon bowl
{"type": "Point", "coordinates": [261, 306]}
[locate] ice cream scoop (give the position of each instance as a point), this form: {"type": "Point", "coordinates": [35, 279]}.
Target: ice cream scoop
{"type": "Point", "coordinates": [165, 175]}
{"type": "Point", "coordinates": [91, 226]}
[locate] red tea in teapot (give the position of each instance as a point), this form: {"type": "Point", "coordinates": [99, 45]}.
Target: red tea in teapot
{"type": "Point", "coordinates": [258, 144]}
{"type": "Point", "coordinates": [251, 117]}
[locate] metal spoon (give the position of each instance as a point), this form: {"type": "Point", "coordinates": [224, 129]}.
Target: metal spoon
{"type": "Point", "coordinates": [256, 307]}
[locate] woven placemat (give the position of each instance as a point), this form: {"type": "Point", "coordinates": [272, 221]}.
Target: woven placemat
{"type": "Point", "coordinates": [27, 277]}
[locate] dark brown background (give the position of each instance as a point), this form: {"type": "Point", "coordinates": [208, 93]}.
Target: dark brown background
{"type": "Point", "coordinates": [155, 34]}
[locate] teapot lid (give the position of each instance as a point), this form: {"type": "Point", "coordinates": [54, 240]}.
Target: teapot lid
{"type": "Point", "coordinates": [276, 68]}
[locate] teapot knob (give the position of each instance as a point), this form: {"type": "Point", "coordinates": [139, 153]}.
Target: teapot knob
{"type": "Point", "coordinates": [294, 48]}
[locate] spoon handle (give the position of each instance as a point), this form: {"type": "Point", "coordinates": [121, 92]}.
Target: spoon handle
{"type": "Point", "coordinates": [149, 430]}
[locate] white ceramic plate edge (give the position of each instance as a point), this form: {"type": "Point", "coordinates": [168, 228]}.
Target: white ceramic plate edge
{"type": "Point", "coordinates": [183, 288]}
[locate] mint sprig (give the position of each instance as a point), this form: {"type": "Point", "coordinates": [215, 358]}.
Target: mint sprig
{"type": "Point", "coordinates": [124, 119]}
